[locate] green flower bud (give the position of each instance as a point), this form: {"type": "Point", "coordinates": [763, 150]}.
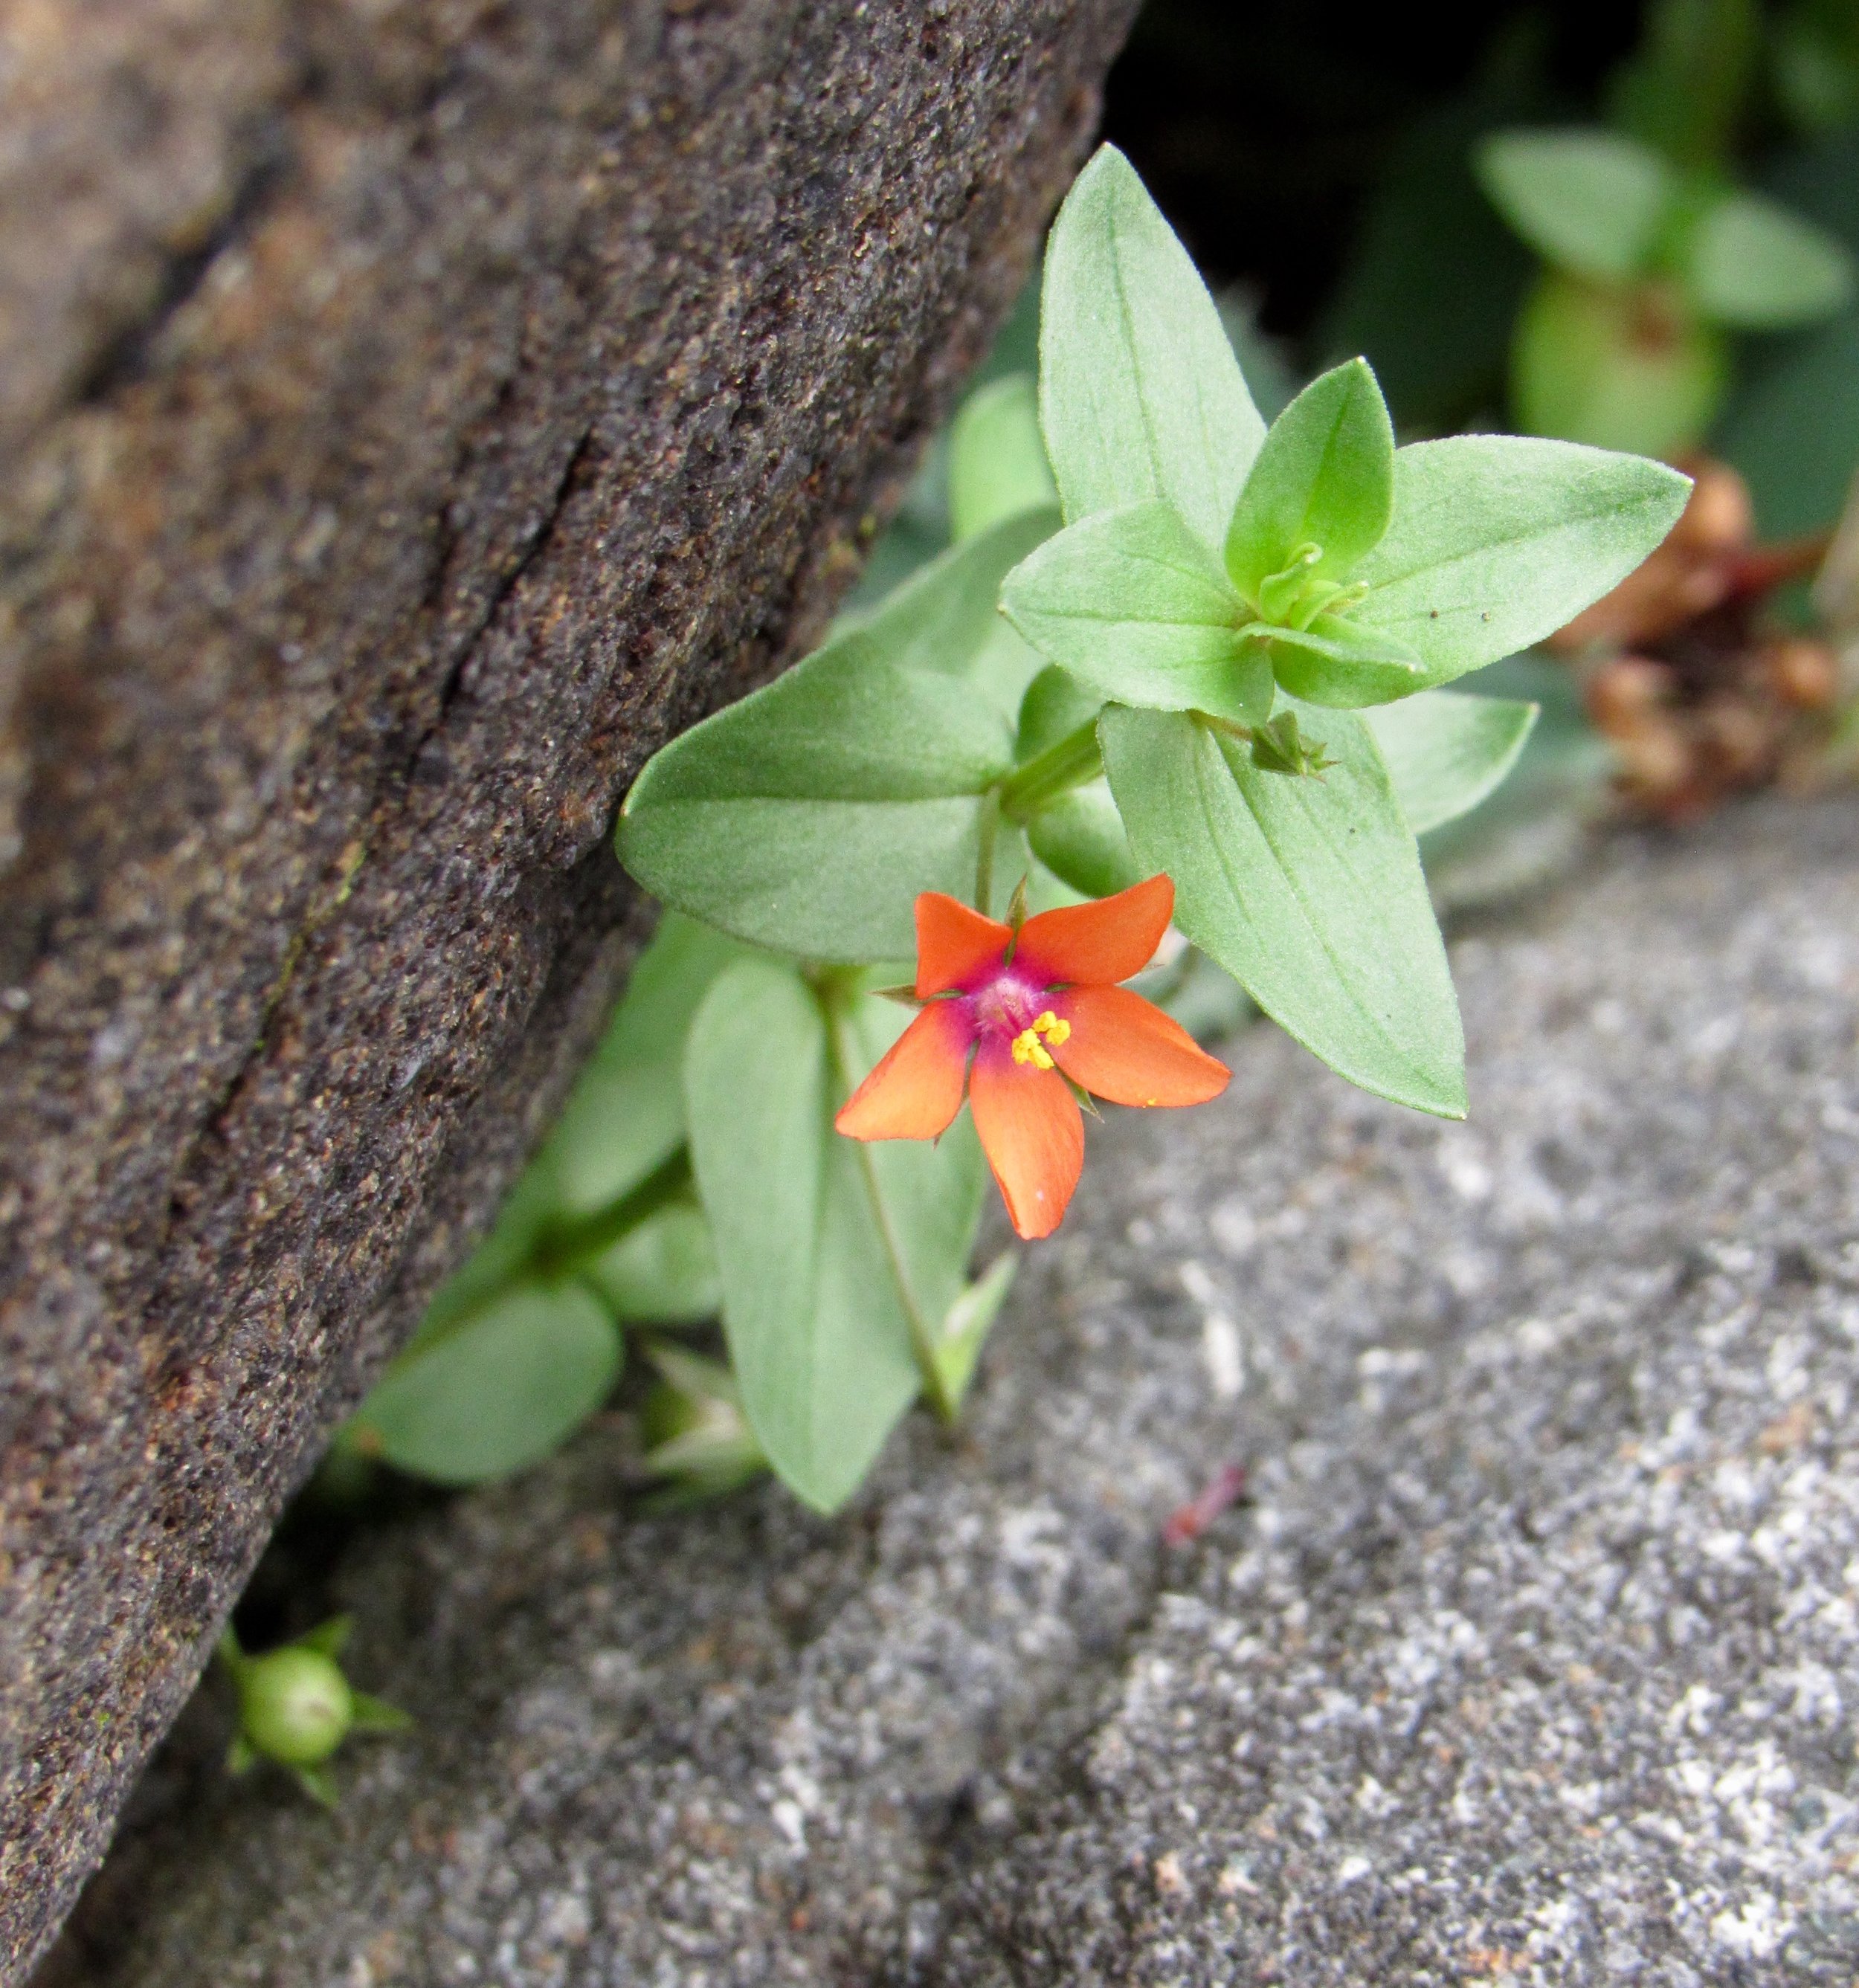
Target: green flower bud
{"type": "Point", "coordinates": [294, 1705]}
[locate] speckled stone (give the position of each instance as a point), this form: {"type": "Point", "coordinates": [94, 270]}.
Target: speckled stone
{"type": "Point", "coordinates": [1530, 1656]}
{"type": "Point", "coordinates": [413, 412]}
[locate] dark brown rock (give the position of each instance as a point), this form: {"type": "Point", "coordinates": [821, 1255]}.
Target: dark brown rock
{"type": "Point", "coordinates": [415, 413]}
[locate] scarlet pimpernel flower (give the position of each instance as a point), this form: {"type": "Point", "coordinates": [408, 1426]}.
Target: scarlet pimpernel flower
{"type": "Point", "coordinates": [1017, 1016]}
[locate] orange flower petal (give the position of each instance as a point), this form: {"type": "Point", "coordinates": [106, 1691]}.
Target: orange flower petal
{"type": "Point", "coordinates": [953, 943]}
{"type": "Point", "coordinates": [1123, 1048]}
{"type": "Point", "coordinates": [1034, 1136]}
{"type": "Point", "coordinates": [915, 1089]}
{"type": "Point", "coordinates": [1096, 945]}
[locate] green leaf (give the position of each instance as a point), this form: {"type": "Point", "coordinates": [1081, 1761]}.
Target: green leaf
{"type": "Point", "coordinates": [1336, 662]}
{"type": "Point", "coordinates": [1307, 891]}
{"type": "Point", "coordinates": [1751, 263]}
{"type": "Point", "coordinates": [1445, 751]}
{"type": "Point", "coordinates": [1054, 705]}
{"type": "Point", "coordinates": [970, 1321]}
{"type": "Point", "coordinates": [500, 1392]}
{"type": "Point", "coordinates": [1080, 839]}
{"type": "Point", "coordinates": [807, 817]}
{"type": "Point", "coordinates": [997, 466]}
{"type": "Point", "coordinates": [1139, 609]}
{"type": "Point", "coordinates": [1140, 396]}
{"type": "Point", "coordinates": [1324, 477]}
{"type": "Point", "coordinates": [1498, 540]}
{"type": "Point", "coordinates": [829, 1252]}
{"type": "Point", "coordinates": [625, 1113]}
{"type": "Point", "coordinates": [664, 1272]}
{"type": "Point", "coordinates": [1589, 202]}
{"type": "Point", "coordinates": [941, 617]}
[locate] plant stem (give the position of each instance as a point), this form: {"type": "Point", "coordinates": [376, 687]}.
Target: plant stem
{"type": "Point", "coordinates": [565, 1245]}
{"type": "Point", "coordinates": [1073, 760]}
{"type": "Point", "coordinates": [923, 1330]}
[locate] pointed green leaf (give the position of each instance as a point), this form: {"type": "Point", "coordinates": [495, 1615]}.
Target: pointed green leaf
{"type": "Point", "coordinates": [1446, 752]}
{"type": "Point", "coordinates": [1324, 477]}
{"type": "Point", "coordinates": [1307, 891]}
{"type": "Point", "coordinates": [1498, 540]}
{"type": "Point", "coordinates": [1137, 607]}
{"type": "Point", "coordinates": [940, 618]}
{"type": "Point", "coordinates": [1589, 202]}
{"type": "Point", "coordinates": [1751, 263]}
{"type": "Point", "coordinates": [807, 817]}
{"type": "Point", "coordinates": [1080, 839]}
{"type": "Point", "coordinates": [500, 1392]}
{"type": "Point", "coordinates": [997, 466]}
{"type": "Point", "coordinates": [1336, 661]}
{"type": "Point", "coordinates": [1140, 396]}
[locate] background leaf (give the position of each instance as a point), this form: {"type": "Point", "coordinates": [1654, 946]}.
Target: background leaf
{"type": "Point", "coordinates": [997, 466]}
{"type": "Point", "coordinates": [1588, 200]}
{"type": "Point", "coordinates": [1498, 540]}
{"type": "Point", "coordinates": [500, 1392]}
{"type": "Point", "coordinates": [1445, 751]}
{"type": "Point", "coordinates": [1751, 263]}
{"type": "Point", "coordinates": [664, 1272]}
{"type": "Point", "coordinates": [1308, 891]}
{"type": "Point", "coordinates": [1324, 476]}
{"type": "Point", "coordinates": [1140, 396]}
{"type": "Point", "coordinates": [1139, 608]}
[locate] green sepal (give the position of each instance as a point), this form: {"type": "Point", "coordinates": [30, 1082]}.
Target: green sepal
{"type": "Point", "coordinates": [1325, 477]}
{"type": "Point", "coordinates": [1308, 891]}
{"type": "Point", "coordinates": [319, 1784]}
{"type": "Point", "coordinates": [242, 1755]}
{"type": "Point", "coordinates": [1140, 397]}
{"type": "Point", "coordinates": [1140, 609]}
{"type": "Point", "coordinates": [329, 1638]}
{"type": "Point", "coordinates": [375, 1715]}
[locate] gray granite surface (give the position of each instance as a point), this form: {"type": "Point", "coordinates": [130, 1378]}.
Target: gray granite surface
{"type": "Point", "coordinates": [1531, 1656]}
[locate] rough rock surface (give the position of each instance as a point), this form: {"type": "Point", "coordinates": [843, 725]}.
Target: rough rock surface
{"type": "Point", "coordinates": [1532, 1656]}
{"type": "Point", "coordinates": [412, 411]}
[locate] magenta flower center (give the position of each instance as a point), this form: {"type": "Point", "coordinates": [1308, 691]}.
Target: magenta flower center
{"type": "Point", "coordinates": [1006, 1003]}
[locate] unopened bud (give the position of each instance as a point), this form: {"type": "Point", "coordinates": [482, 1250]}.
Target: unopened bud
{"type": "Point", "coordinates": [295, 1705]}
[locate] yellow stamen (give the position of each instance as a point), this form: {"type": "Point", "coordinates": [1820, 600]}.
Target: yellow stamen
{"type": "Point", "coordinates": [1027, 1047]}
